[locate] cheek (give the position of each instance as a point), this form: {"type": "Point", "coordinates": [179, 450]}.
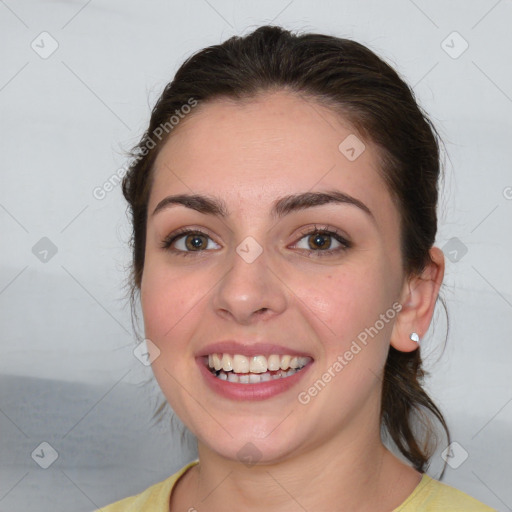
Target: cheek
{"type": "Point", "coordinates": [168, 299]}
{"type": "Point", "coordinates": [344, 308]}
{"type": "Point", "coordinates": [169, 303]}
{"type": "Point", "coordinates": [345, 299]}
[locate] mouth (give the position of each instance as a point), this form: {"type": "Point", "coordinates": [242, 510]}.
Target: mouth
{"type": "Point", "coordinates": [241, 369]}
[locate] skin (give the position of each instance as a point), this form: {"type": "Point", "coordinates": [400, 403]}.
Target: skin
{"type": "Point", "coordinates": [327, 454]}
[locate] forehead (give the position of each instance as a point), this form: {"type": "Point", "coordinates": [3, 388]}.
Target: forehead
{"type": "Point", "coordinates": [278, 143]}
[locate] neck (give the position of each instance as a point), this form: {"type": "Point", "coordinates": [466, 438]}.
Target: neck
{"type": "Point", "coordinates": [360, 474]}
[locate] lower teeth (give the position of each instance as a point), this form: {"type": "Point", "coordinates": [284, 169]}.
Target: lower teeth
{"type": "Point", "coordinates": [254, 378]}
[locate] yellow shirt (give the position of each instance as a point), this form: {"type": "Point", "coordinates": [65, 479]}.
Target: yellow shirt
{"type": "Point", "coordinates": [429, 496]}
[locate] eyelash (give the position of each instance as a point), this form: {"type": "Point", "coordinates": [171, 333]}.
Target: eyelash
{"type": "Point", "coordinates": [324, 230]}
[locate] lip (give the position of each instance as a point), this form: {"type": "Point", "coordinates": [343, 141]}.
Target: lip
{"type": "Point", "coordinates": [249, 349]}
{"type": "Point", "coordinates": [247, 392]}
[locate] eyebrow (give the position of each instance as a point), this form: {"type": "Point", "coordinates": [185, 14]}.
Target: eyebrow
{"type": "Point", "coordinates": [210, 205]}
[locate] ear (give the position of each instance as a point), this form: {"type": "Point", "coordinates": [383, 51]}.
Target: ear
{"type": "Point", "coordinates": [418, 299]}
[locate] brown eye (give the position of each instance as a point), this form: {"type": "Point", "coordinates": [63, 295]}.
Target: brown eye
{"type": "Point", "coordinates": [196, 242]}
{"type": "Point", "coordinates": [319, 241]}
{"type": "Point", "coordinates": [322, 242]}
{"type": "Point", "coordinates": [188, 241]}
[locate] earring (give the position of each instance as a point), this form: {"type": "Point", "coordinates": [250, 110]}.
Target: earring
{"type": "Point", "coordinates": [414, 337]}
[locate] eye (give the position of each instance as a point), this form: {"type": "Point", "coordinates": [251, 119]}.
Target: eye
{"type": "Point", "coordinates": [315, 242]}
{"type": "Point", "coordinates": [188, 240]}
{"type": "Point", "coordinates": [322, 242]}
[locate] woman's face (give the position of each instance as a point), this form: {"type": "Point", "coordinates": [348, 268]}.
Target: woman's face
{"type": "Point", "coordinates": [255, 282]}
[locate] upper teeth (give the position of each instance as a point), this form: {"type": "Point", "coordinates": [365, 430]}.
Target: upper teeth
{"type": "Point", "coordinates": [255, 364]}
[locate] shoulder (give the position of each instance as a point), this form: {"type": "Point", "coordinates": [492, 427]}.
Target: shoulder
{"type": "Point", "coordinates": [153, 499]}
{"type": "Point", "coordinates": [433, 496]}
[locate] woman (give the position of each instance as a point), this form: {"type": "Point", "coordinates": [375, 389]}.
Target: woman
{"type": "Point", "coordinates": [283, 202]}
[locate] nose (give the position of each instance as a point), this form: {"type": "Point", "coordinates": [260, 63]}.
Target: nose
{"type": "Point", "coordinates": [249, 292]}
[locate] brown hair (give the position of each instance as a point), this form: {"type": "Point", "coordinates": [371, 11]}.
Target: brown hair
{"type": "Point", "coordinates": [350, 79]}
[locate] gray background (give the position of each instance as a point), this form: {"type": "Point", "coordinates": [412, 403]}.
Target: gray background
{"type": "Point", "coordinates": [68, 375]}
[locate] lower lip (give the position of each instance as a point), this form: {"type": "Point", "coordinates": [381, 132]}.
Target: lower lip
{"type": "Point", "coordinates": [257, 391]}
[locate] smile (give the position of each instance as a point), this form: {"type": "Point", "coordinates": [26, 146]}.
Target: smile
{"type": "Point", "coordinates": [242, 369]}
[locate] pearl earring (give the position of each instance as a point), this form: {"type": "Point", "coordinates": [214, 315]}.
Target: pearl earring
{"type": "Point", "coordinates": [414, 337]}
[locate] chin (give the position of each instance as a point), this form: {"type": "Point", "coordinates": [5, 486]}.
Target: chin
{"type": "Point", "coordinates": [253, 442]}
